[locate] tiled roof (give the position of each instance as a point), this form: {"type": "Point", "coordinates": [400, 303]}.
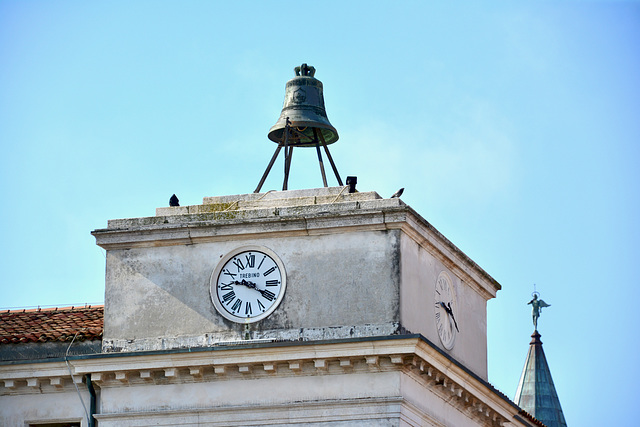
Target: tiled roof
{"type": "Point", "coordinates": [59, 324]}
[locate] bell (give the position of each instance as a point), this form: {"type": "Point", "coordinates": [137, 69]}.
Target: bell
{"type": "Point", "coordinates": [304, 108]}
{"type": "Point", "coordinates": [302, 123]}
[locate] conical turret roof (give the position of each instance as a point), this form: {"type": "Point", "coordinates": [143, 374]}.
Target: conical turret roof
{"type": "Point", "coordinates": [536, 393]}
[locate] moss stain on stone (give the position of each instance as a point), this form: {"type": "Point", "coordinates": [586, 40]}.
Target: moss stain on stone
{"type": "Point", "coordinates": [218, 207]}
{"type": "Point", "coordinates": [226, 215]}
{"type": "Point", "coordinates": [218, 211]}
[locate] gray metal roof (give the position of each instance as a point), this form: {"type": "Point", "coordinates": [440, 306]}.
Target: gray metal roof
{"type": "Point", "coordinates": [536, 393]}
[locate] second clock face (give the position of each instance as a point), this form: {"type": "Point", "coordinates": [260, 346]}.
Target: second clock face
{"type": "Point", "coordinates": [446, 311]}
{"type": "Point", "coordinates": [248, 284]}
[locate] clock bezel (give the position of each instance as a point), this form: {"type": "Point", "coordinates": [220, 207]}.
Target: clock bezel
{"type": "Point", "coordinates": [213, 283]}
{"type": "Point", "coordinates": [450, 343]}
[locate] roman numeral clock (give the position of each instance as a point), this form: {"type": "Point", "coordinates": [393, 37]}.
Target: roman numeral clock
{"type": "Point", "coordinates": [248, 284]}
{"type": "Point", "coordinates": [445, 311]}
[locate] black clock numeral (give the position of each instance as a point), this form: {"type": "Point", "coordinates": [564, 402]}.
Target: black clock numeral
{"type": "Point", "coordinates": [269, 271]}
{"type": "Point", "coordinates": [269, 295]}
{"type": "Point", "coordinates": [228, 273]}
{"type": "Point", "coordinates": [272, 282]}
{"type": "Point", "coordinates": [238, 263]}
{"type": "Point", "coordinates": [438, 315]}
{"type": "Point", "coordinates": [228, 297]}
{"type": "Point", "coordinates": [251, 260]}
{"type": "Point", "coordinates": [260, 306]}
{"type": "Point", "coordinates": [226, 287]}
{"type": "Point", "coordinates": [247, 308]}
{"type": "Point", "coordinates": [236, 305]}
{"type": "Point", "coordinates": [260, 265]}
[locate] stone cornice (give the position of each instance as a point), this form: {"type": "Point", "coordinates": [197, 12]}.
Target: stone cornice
{"type": "Point", "coordinates": [413, 355]}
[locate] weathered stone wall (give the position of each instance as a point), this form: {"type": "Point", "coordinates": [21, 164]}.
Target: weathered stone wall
{"type": "Point", "coordinates": [338, 285]}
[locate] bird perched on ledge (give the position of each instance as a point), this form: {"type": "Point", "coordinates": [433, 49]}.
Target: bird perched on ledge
{"type": "Point", "coordinates": [398, 193]}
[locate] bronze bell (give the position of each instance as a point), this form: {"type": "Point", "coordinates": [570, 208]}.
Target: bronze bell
{"type": "Point", "coordinates": [304, 107]}
{"type": "Point", "coordinates": [302, 123]}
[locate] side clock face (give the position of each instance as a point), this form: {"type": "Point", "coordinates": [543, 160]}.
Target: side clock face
{"type": "Point", "coordinates": [248, 284]}
{"type": "Point", "coordinates": [446, 311]}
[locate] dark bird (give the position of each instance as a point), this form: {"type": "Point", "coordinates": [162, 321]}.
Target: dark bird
{"type": "Point", "coordinates": [397, 193]}
{"type": "Point", "coordinates": [173, 201]}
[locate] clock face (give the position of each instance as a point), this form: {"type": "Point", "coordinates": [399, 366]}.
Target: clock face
{"type": "Point", "coordinates": [446, 311]}
{"type": "Point", "coordinates": [248, 284]}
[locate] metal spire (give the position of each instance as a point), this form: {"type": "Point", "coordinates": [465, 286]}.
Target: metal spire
{"type": "Point", "coordinates": [536, 393]}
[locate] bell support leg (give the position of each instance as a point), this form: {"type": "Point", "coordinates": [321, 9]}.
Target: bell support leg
{"type": "Point", "coordinates": [264, 177]}
{"type": "Point", "coordinates": [333, 165]}
{"type": "Point", "coordinates": [324, 176]}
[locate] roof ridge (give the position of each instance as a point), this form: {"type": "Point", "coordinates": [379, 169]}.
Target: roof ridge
{"type": "Point", "coordinates": [52, 309]}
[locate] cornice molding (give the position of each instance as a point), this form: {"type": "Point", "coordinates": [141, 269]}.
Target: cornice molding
{"type": "Point", "coordinates": [204, 226]}
{"type": "Point", "coordinates": [410, 355]}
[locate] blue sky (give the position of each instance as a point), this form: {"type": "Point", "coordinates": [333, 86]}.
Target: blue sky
{"type": "Point", "coordinates": [513, 127]}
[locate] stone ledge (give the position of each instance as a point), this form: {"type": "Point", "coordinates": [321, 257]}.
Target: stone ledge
{"type": "Point", "coordinates": [270, 200]}
{"type": "Point", "coordinates": [322, 192]}
{"type": "Point", "coordinates": [236, 338]}
{"type": "Point", "coordinates": [166, 217]}
{"type": "Point", "coordinates": [178, 230]}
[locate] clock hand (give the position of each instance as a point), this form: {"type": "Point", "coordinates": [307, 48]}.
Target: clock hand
{"type": "Point", "coordinates": [265, 293]}
{"type": "Point", "coordinates": [247, 283]}
{"type": "Point", "coordinates": [443, 305]}
{"type": "Point", "coordinates": [450, 311]}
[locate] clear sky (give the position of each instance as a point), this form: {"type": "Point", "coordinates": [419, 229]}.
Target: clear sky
{"type": "Point", "coordinates": [513, 126]}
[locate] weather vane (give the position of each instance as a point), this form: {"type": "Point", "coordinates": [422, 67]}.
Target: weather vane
{"type": "Point", "coordinates": [536, 306]}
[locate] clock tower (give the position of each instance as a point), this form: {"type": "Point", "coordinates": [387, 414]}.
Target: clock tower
{"type": "Point", "coordinates": [320, 307]}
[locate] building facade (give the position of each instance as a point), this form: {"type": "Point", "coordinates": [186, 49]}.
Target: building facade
{"type": "Point", "coordinates": [367, 315]}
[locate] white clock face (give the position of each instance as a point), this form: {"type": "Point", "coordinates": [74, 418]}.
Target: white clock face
{"type": "Point", "coordinates": [248, 284]}
{"type": "Point", "coordinates": [446, 311]}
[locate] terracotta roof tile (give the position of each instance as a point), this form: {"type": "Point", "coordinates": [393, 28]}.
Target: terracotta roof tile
{"type": "Point", "coordinates": [58, 324]}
